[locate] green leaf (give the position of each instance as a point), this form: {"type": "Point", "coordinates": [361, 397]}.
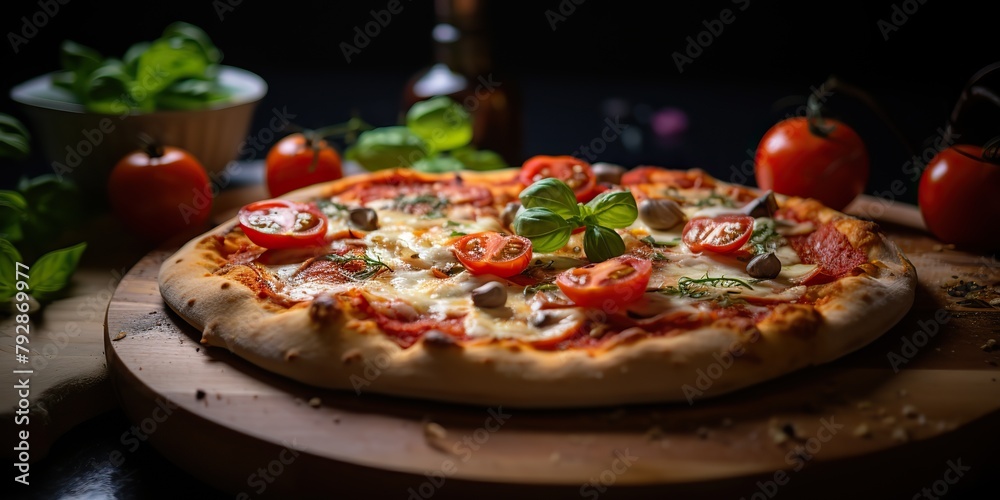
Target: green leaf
{"type": "Point", "coordinates": [131, 57]}
{"type": "Point", "coordinates": [14, 201]}
{"type": "Point", "coordinates": [614, 209]}
{"type": "Point", "coordinates": [166, 61]}
{"type": "Point", "coordinates": [15, 141]}
{"type": "Point", "coordinates": [552, 194]}
{"type": "Point", "coordinates": [547, 230]}
{"type": "Point", "coordinates": [601, 243]}
{"type": "Point", "coordinates": [443, 123]}
{"type": "Point", "coordinates": [108, 89]}
{"type": "Point", "coordinates": [79, 59]}
{"type": "Point", "coordinates": [10, 224]}
{"type": "Point", "coordinates": [54, 203]}
{"type": "Point", "coordinates": [52, 271]}
{"type": "Point", "coordinates": [387, 147]}
{"type": "Point", "coordinates": [187, 31]}
{"type": "Point", "coordinates": [9, 257]}
{"type": "Point", "coordinates": [191, 93]}
{"type": "Point", "coordinates": [438, 164]}
{"type": "Point", "coordinates": [479, 159]}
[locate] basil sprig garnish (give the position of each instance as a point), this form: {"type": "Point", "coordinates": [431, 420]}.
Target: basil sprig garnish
{"type": "Point", "coordinates": [552, 213]}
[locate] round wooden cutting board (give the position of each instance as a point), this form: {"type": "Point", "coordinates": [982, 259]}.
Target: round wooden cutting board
{"type": "Point", "coordinates": [894, 416]}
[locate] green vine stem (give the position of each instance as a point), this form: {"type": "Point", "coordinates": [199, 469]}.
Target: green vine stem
{"type": "Point", "coordinates": [972, 92]}
{"type": "Point", "coordinates": [822, 128]}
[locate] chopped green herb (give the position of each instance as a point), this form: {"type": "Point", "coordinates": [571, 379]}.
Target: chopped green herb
{"type": "Point", "coordinates": [764, 238]}
{"type": "Point", "coordinates": [418, 204]}
{"type": "Point", "coordinates": [540, 287]}
{"type": "Point", "coordinates": [331, 208]}
{"type": "Point", "coordinates": [715, 200]}
{"type": "Point", "coordinates": [658, 244]}
{"type": "Point", "coordinates": [697, 288]}
{"type": "Point", "coordinates": [369, 268]}
{"type": "Point", "coordinates": [457, 233]}
{"type": "Point", "coordinates": [659, 256]}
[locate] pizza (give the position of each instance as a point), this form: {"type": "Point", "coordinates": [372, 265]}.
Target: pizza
{"type": "Point", "coordinates": [553, 284]}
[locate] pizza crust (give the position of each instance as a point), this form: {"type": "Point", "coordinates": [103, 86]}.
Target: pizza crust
{"type": "Point", "coordinates": [324, 345]}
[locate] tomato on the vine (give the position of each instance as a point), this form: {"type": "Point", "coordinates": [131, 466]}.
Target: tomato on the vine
{"type": "Point", "coordinates": [612, 283]}
{"type": "Point", "coordinates": [283, 224]}
{"type": "Point", "coordinates": [821, 158]}
{"type": "Point", "coordinates": [720, 234]}
{"type": "Point", "coordinates": [298, 160]}
{"type": "Point", "coordinates": [576, 173]}
{"type": "Point", "coordinates": [490, 252]}
{"type": "Point", "coordinates": [159, 192]}
{"type": "Point", "coordinates": [957, 193]}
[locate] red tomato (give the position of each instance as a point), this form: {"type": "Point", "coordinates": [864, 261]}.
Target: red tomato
{"type": "Point", "coordinates": [958, 197]}
{"type": "Point", "coordinates": [299, 160]}
{"type": "Point", "coordinates": [160, 192]}
{"type": "Point", "coordinates": [490, 252]}
{"type": "Point", "coordinates": [720, 234]}
{"type": "Point", "coordinates": [283, 224]}
{"type": "Point", "coordinates": [609, 285]}
{"type": "Point", "coordinates": [793, 160]}
{"type": "Point", "coordinates": [575, 172]}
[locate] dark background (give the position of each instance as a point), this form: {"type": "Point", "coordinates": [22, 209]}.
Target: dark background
{"type": "Point", "coordinates": [606, 58]}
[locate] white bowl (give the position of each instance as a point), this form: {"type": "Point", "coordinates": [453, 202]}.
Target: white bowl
{"type": "Point", "coordinates": [84, 146]}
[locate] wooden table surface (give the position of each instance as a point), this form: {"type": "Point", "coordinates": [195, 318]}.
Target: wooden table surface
{"type": "Point", "coordinates": [919, 407]}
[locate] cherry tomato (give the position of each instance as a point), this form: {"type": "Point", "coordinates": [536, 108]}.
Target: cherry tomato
{"type": "Point", "coordinates": [299, 160]}
{"type": "Point", "coordinates": [283, 224]}
{"type": "Point", "coordinates": [609, 284]}
{"type": "Point", "coordinates": [489, 252]}
{"type": "Point", "coordinates": [958, 197]}
{"type": "Point", "coordinates": [792, 159]}
{"type": "Point", "coordinates": [720, 234]}
{"type": "Point", "coordinates": [160, 192]}
{"type": "Point", "coordinates": [575, 172]}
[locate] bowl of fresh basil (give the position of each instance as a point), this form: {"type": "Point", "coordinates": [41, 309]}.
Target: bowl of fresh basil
{"type": "Point", "coordinates": [174, 90]}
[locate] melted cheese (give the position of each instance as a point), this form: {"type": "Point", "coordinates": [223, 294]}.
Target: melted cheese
{"type": "Point", "coordinates": [417, 249]}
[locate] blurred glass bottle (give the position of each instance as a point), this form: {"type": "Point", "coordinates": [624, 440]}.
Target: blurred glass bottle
{"type": "Point", "coordinates": [464, 70]}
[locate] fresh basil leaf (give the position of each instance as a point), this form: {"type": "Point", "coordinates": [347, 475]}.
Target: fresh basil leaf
{"type": "Point", "coordinates": [190, 93]}
{"type": "Point", "coordinates": [547, 230]}
{"type": "Point", "coordinates": [387, 147]}
{"type": "Point", "coordinates": [79, 59]}
{"type": "Point", "coordinates": [441, 122]}
{"type": "Point", "coordinates": [438, 164]}
{"type": "Point", "coordinates": [52, 271]}
{"type": "Point", "coordinates": [15, 141]}
{"type": "Point", "coordinates": [9, 257]}
{"type": "Point", "coordinates": [166, 61]}
{"type": "Point", "coordinates": [54, 202]}
{"type": "Point", "coordinates": [131, 57]}
{"type": "Point", "coordinates": [474, 159]}
{"type": "Point", "coordinates": [601, 243]}
{"type": "Point", "coordinates": [192, 33]}
{"type": "Point", "coordinates": [107, 89]}
{"type": "Point", "coordinates": [552, 194]}
{"type": "Point", "coordinates": [10, 224]}
{"type": "Point", "coordinates": [614, 209]}
{"type": "Point", "coordinates": [14, 201]}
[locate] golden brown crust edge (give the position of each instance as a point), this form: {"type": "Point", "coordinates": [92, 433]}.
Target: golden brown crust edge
{"type": "Point", "coordinates": [344, 352]}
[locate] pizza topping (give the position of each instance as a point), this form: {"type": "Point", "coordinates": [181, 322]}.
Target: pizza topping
{"type": "Point", "coordinates": [764, 238]}
{"type": "Point", "coordinates": [283, 224]}
{"type": "Point", "coordinates": [764, 266]}
{"type": "Point", "coordinates": [490, 252]}
{"type": "Point", "coordinates": [697, 288]}
{"type": "Point", "coordinates": [323, 308]}
{"type": "Point", "coordinates": [661, 214]}
{"type": "Point", "coordinates": [364, 219]}
{"type": "Point", "coordinates": [490, 295]}
{"type": "Point", "coordinates": [358, 267]}
{"type": "Point", "coordinates": [764, 206]}
{"type": "Point", "coordinates": [552, 217]}
{"type": "Point", "coordinates": [509, 212]}
{"type": "Point", "coordinates": [830, 249]}
{"type": "Point", "coordinates": [610, 284]}
{"type": "Point", "coordinates": [721, 234]}
{"type": "Point", "coordinates": [574, 172]}
{"type": "Point", "coordinates": [608, 172]}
